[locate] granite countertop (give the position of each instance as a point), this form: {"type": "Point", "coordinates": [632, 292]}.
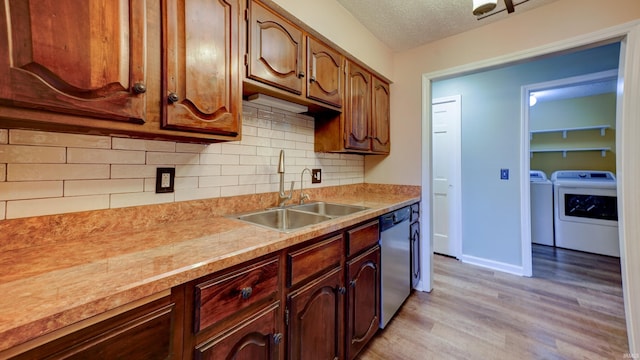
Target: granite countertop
{"type": "Point", "coordinates": [51, 284]}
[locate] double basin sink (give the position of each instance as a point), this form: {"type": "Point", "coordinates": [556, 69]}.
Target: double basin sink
{"type": "Point", "coordinates": [298, 216]}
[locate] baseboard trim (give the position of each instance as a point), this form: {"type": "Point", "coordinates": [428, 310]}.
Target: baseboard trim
{"type": "Point", "coordinates": [492, 264]}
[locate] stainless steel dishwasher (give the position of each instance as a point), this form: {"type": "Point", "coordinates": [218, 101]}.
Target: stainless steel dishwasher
{"type": "Point", "coordinates": [396, 262]}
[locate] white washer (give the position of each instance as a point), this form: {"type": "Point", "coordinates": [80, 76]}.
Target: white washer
{"type": "Point", "coordinates": [586, 211]}
{"type": "Point", "coordinates": [541, 208]}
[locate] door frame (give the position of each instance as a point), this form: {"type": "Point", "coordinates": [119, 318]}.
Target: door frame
{"type": "Point", "coordinates": [527, 262]}
{"type": "Point", "coordinates": [627, 132]}
{"type": "Point", "coordinates": [455, 179]}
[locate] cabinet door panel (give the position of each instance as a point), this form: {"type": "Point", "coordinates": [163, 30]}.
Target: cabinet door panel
{"type": "Point", "coordinates": [325, 73]}
{"type": "Point", "coordinates": [77, 57]}
{"type": "Point", "coordinates": [253, 339]}
{"type": "Point", "coordinates": [380, 136]}
{"type": "Point", "coordinates": [201, 88]}
{"type": "Point", "coordinates": [364, 300]}
{"type": "Point", "coordinates": [316, 319]}
{"type": "Point", "coordinates": [358, 110]}
{"type": "Point", "coordinates": [275, 50]}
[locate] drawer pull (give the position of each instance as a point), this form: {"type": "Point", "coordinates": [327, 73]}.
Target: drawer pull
{"type": "Point", "coordinates": [246, 292]}
{"type": "Point", "coordinates": [277, 338]}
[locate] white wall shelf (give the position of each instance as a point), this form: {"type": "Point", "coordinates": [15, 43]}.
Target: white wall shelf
{"type": "Point", "coordinates": [564, 131]}
{"type": "Point", "coordinates": [603, 150]}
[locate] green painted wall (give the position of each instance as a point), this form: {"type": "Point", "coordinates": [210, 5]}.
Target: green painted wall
{"type": "Point", "coordinates": [572, 113]}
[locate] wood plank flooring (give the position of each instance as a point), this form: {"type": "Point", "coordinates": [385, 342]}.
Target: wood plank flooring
{"type": "Point", "coordinates": [572, 308]}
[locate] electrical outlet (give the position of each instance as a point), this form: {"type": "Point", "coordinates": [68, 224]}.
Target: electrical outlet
{"type": "Point", "coordinates": [504, 174]}
{"type": "Point", "coordinates": [316, 176]}
{"type": "Point", "coordinates": [165, 178]}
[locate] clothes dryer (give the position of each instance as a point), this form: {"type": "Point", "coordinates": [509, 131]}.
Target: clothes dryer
{"type": "Point", "coordinates": [586, 211]}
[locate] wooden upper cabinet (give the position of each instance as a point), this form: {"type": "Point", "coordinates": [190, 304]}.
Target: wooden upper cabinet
{"type": "Point", "coordinates": [324, 73]}
{"type": "Point", "coordinates": [201, 88]}
{"type": "Point", "coordinates": [276, 50]}
{"type": "Point", "coordinates": [76, 57]}
{"type": "Point", "coordinates": [381, 118]}
{"type": "Point", "coordinates": [358, 108]}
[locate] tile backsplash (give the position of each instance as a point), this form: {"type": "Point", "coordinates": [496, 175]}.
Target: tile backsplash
{"type": "Point", "coordinates": [44, 173]}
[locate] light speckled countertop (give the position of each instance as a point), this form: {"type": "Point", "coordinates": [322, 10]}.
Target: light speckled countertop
{"type": "Point", "coordinates": [52, 283]}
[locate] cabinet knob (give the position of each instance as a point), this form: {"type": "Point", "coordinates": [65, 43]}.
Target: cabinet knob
{"type": "Point", "coordinates": [246, 292]}
{"type": "Point", "coordinates": [173, 97]}
{"type": "Point", "coordinates": [301, 74]}
{"type": "Point", "coordinates": [312, 79]}
{"type": "Point", "coordinates": [352, 283]}
{"type": "Point", "coordinates": [277, 338]}
{"type": "Point", "coordinates": [342, 290]}
{"type": "Point", "coordinates": [139, 88]}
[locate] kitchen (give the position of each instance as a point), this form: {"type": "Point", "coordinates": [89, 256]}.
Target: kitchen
{"type": "Point", "coordinates": [376, 170]}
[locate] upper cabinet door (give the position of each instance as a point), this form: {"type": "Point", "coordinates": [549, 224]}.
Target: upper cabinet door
{"type": "Point", "coordinates": [380, 135]}
{"type": "Point", "coordinates": [77, 57]}
{"type": "Point", "coordinates": [201, 85]}
{"type": "Point", "coordinates": [358, 109]}
{"type": "Point", "coordinates": [275, 50]}
{"type": "Point", "coordinates": [324, 73]}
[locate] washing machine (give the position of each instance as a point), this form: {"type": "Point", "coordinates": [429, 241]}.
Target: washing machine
{"type": "Point", "coordinates": [541, 208]}
{"type": "Point", "coordinates": [586, 211]}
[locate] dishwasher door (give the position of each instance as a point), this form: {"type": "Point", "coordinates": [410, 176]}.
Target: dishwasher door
{"type": "Point", "coordinates": [396, 262]}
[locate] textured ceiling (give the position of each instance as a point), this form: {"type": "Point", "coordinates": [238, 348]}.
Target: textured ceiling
{"type": "Point", "coordinates": [405, 24]}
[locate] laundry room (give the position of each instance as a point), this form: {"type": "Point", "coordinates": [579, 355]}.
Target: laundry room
{"type": "Point", "coordinates": [573, 163]}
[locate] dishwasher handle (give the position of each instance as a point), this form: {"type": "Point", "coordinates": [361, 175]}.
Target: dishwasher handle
{"type": "Point", "coordinates": [394, 218]}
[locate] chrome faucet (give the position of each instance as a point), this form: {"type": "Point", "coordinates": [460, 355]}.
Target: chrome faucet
{"type": "Point", "coordinates": [283, 196]}
{"type": "Point", "coordinates": [303, 196]}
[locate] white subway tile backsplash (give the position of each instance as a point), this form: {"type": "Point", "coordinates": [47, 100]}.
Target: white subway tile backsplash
{"type": "Point", "coordinates": [197, 193]}
{"type": "Point", "coordinates": [37, 207]}
{"type": "Point", "coordinates": [160, 158]}
{"type": "Point", "coordinates": [42, 138]}
{"type": "Point", "coordinates": [97, 187]}
{"type": "Point", "coordinates": [19, 190]}
{"type": "Point", "coordinates": [146, 145]}
{"type": "Point", "coordinates": [42, 172]}
{"type": "Point", "coordinates": [100, 156]}
{"type": "Point", "coordinates": [138, 199]}
{"type": "Point", "coordinates": [120, 172]}
{"type": "Point", "coordinates": [20, 154]}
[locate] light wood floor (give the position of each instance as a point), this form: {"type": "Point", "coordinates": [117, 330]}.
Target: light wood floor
{"type": "Point", "coordinates": [571, 308]}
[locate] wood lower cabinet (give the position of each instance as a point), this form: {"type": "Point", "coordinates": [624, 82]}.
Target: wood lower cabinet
{"type": "Point", "coordinates": [252, 339]}
{"type": "Point", "coordinates": [75, 57]}
{"type": "Point", "coordinates": [316, 318]}
{"type": "Point", "coordinates": [363, 307]}
{"type": "Point", "coordinates": [201, 84]}
{"type": "Point", "coordinates": [145, 332]}
{"type": "Point", "coordinates": [415, 244]}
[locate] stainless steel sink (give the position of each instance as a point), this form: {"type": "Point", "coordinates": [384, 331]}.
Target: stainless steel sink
{"type": "Point", "coordinates": [298, 216]}
{"type": "Point", "coordinates": [283, 219]}
{"type": "Point", "coordinates": [329, 209]}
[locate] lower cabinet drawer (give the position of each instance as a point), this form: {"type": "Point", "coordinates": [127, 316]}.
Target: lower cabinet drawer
{"type": "Point", "coordinates": [362, 237]}
{"type": "Point", "coordinates": [314, 259]}
{"type": "Point", "coordinates": [223, 296]}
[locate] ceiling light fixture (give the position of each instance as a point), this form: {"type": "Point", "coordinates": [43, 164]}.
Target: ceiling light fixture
{"type": "Point", "coordinates": [483, 6]}
{"type": "Point", "coordinates": [267, 100]}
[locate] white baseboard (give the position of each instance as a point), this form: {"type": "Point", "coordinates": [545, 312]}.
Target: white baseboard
{"type": "Point", "coordinates": [494, 265]}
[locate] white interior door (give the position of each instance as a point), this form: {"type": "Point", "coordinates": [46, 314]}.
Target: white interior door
{"type": "Point", "coordinates": [446, 154]}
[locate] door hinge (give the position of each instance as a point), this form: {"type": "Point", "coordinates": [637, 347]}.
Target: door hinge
{"type": "Point", "coordinates": [286, 317]}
